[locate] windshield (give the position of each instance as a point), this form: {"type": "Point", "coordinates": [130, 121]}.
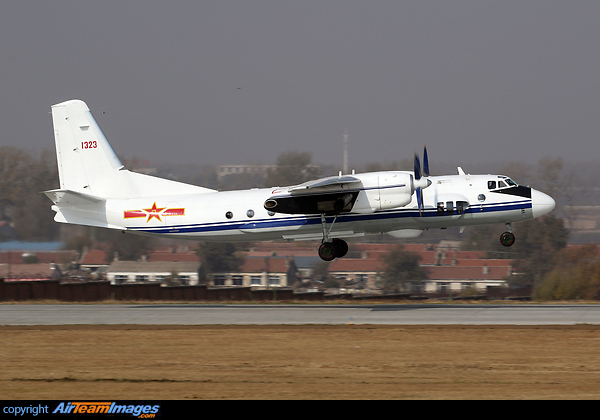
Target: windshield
{"type": "Point", "coordinates": [504, 182]}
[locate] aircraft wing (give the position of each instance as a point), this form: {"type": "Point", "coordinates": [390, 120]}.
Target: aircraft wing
{"type": "Point", "coordinates": [331, 182]}
{"type": "Point", "coordinates": [331, 195]}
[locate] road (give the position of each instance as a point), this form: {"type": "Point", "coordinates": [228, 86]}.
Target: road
{"type": "Point", "coordinates": [206, 314]}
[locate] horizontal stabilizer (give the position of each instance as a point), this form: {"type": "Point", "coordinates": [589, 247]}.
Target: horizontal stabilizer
{"type": "Point", "coordinates": [71, 198]}
{"type": "Point", "coordinates": [80, 209]}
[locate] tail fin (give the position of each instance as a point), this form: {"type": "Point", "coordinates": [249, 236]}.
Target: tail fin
{"type": "Point", "coordinates": [87, 164]}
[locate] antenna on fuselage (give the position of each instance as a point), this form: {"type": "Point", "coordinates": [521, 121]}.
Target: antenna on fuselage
{"type": "Point", "coordinates": [345, 165]}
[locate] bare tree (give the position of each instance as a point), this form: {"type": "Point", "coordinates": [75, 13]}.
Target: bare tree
{"type": "Point", "coordinates": [292, 168]}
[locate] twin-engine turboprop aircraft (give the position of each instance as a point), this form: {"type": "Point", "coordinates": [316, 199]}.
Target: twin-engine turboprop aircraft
{"type": "Point", "coordinates": [97, 190]}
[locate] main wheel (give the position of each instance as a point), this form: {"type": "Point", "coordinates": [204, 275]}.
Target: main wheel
{"type": "Point", "coordinates": [327, 251]}
{"type": "Point", "coordinates": [507, 239]}
{"type": "Point", "coordinates": [340, 248]}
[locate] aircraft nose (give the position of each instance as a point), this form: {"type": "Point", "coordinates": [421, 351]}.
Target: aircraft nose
{"type": "Point", "coordinates": [541, 203]}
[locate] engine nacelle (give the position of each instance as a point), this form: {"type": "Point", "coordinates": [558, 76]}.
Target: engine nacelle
{"type": "Point", "coordinates": [384, 190]}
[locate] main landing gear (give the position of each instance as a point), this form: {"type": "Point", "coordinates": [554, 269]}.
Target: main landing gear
{"type": "Point", "coordinates": [331, 249]}
{"type": "Point", "coordinates": [337, 248]}
{"type": "Point", "coordinates": [507, 238]}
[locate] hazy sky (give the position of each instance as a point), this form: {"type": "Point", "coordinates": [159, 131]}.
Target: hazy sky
{"type": "Point", "coordinates": [243, 81]}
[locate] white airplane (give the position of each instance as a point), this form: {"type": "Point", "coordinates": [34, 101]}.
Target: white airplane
{"type": "Point", "coordinates": [97, 190]}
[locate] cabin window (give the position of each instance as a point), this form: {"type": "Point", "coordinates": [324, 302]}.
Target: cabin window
{"type": "Point", "coordinates": [481, 197]}
{"type": "Point", "coordinates": [440, 209]}
{"type": "Point", "coordinates": [250, 213]}
{"type": "Point", "coordinates": [229, 215]}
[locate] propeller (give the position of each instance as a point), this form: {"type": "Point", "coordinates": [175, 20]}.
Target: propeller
{"type": "Point", "coordinates": [421, 177]}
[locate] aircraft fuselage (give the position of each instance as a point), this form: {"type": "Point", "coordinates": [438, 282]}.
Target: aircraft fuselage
{"type": "Point", "coordinates": [450, 200]}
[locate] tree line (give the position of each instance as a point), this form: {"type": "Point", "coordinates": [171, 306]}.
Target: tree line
{"type": "Point", "coordinates": [23, 177]}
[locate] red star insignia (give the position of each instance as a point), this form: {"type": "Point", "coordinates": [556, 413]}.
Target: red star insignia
{"type": "Point", "coordinates": [154, 212]}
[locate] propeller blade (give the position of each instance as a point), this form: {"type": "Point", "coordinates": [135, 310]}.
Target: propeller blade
{"type": "Point", "coordinates": [417, 167]}
{"type": "Point", "coordinates": [419, 174]}
{"type": "Point", "coordinates": [425, 162]}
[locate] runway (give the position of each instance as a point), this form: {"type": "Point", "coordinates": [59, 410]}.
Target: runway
{"type": "Point", "coordinates": [276, 314]}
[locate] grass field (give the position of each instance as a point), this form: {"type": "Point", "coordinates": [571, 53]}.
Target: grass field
{"type": "Point", "coordinates": [300, 362]}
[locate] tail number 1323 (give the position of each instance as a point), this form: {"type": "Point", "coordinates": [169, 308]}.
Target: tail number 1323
{"type": "Point", "coordinates": [89, 144]}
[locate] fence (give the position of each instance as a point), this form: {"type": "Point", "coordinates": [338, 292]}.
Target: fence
{"type": "Point", "coordinates": [11, 291]}
{"type": "Point", "coordinates": [15, 291]}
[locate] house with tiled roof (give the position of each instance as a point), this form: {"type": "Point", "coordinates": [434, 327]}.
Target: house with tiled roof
{"type": "Point", "coordinates": [37, 271]}
{"type": "Point", "coordinates": [362, 273]}
{"type": "Point", "coordinates": [94, 260]}
{"type": "Point", "coordinates": [259, 272]}
{"type": "Point", "coordinates": [456, 278]}
{"type": "Point", "coordinates": [123, 272]}
{"type": "Point", "coordinates": [173, 255]}
{"type": "Point", "coordinates": [448, 270]}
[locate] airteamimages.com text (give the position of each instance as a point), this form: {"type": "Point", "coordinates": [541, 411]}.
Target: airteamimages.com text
{"type": "Point", "coordinates": [83, 407]}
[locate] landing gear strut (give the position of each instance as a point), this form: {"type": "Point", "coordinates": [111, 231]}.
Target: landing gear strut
{"type": "Point", "coordinates": [336, 248]}
{"type": "Point", "coordinates": [507, 238]}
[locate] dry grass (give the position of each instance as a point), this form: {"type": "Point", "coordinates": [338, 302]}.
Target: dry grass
{"type": "Point", "coordinates": [300, 362]}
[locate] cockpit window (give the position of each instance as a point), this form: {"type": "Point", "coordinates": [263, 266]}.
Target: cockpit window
{"type": "Point", "coordinates": [505, 182]}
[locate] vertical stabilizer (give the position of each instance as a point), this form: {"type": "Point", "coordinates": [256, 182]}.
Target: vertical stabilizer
{"type": "Point", "coordinates": [86, 160]}
{"type": "Point", "coordinates": [87, 163]}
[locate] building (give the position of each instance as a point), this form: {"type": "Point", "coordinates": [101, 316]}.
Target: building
{"type": "Point", "coordinates": [173, 272]}
{"type": "Point", "coordinates": [94, 262]}
{"type": "Point", "coordinates": [262, 272]}
{"type": "Point", "coordinates": [361, 274]}
{"type": "Point", "coordinates": [294, 264]}
{"type": "Point", "coordinates": [225, 170]}
{"type": "Point", "coordinates": [459, 278]}
{"type": "Point", "coordinates": [30, 272]}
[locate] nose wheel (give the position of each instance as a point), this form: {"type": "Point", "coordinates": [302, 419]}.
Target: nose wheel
{"type": "Point", "coordinates": [507, 238]}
